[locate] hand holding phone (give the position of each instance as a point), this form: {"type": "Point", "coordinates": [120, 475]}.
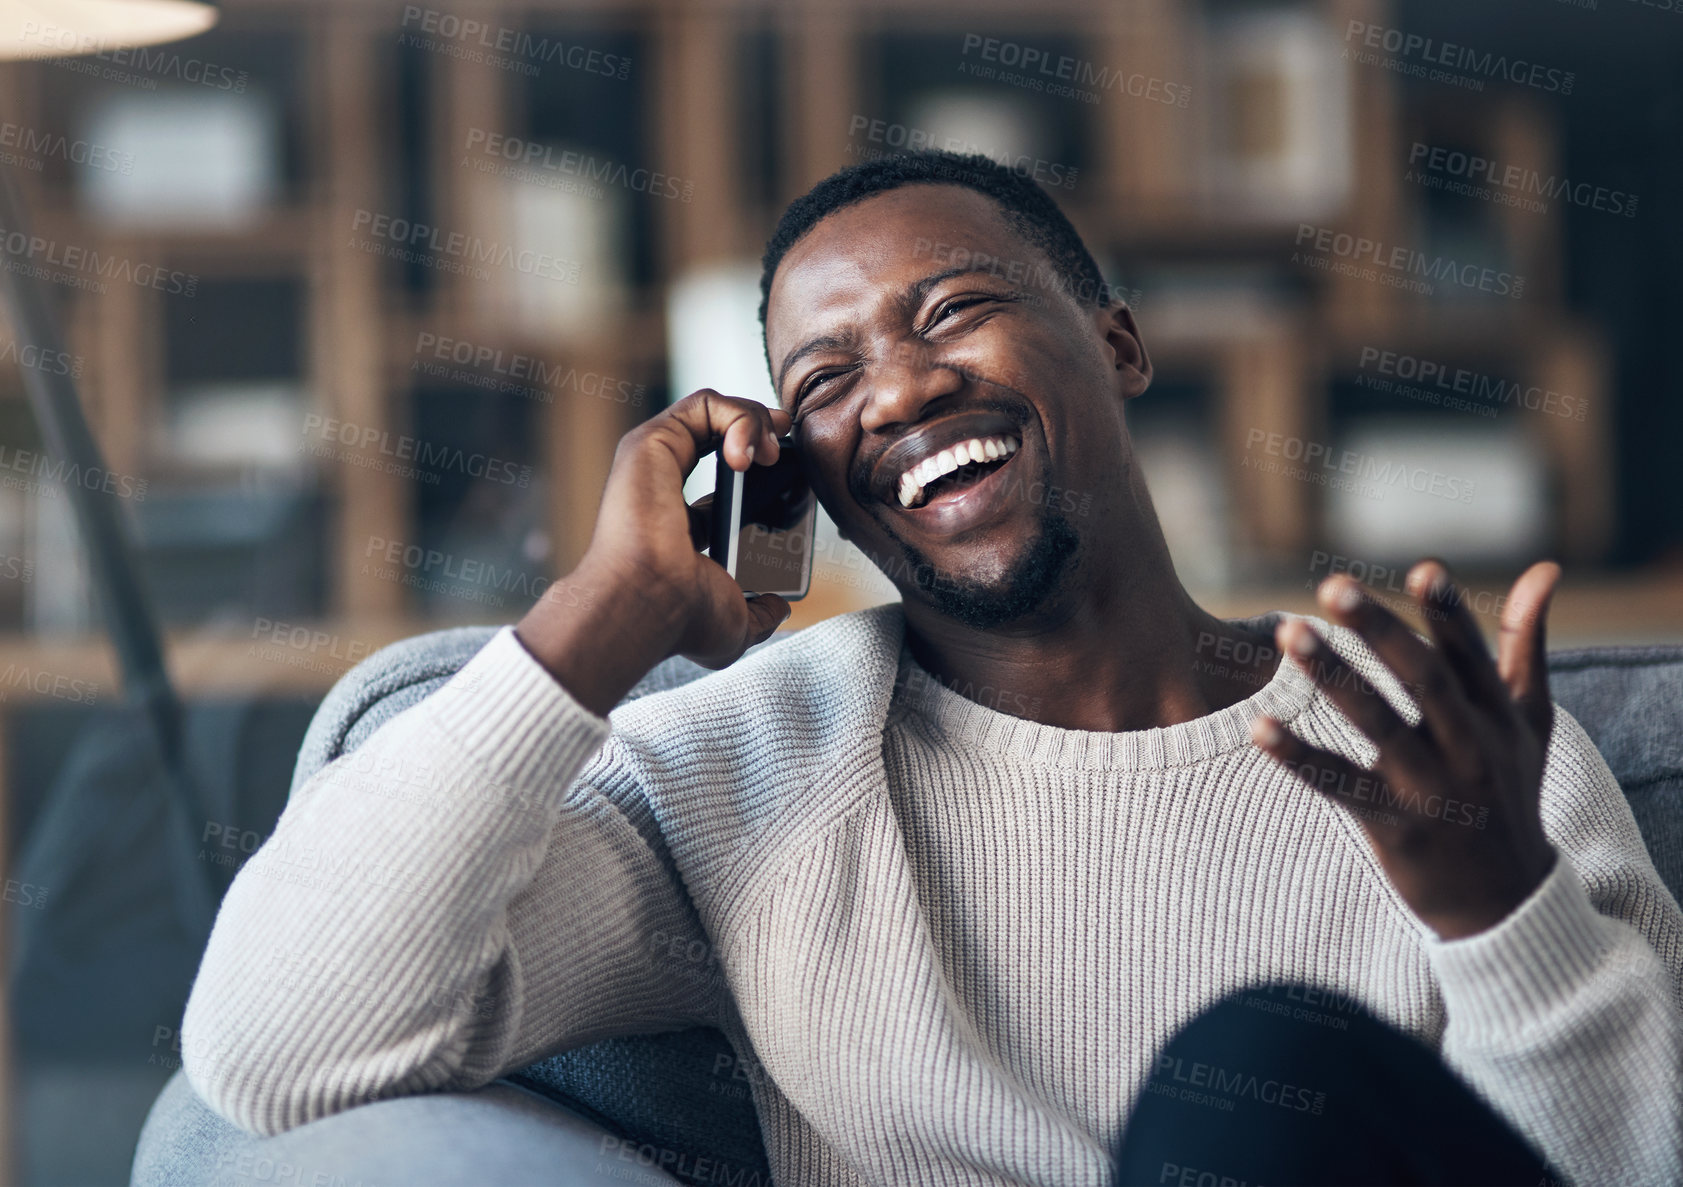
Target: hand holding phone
{"type": "Point", "coordinates": [763, 522]}
{"type": "Point", "coordinates": [643, 590]}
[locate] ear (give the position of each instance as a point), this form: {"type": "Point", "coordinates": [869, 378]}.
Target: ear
{"type": "Point", "coordinates": [1127, 350]}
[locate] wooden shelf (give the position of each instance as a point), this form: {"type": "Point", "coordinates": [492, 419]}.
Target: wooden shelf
{"type": "Point", "coordinates": [1632, 610]}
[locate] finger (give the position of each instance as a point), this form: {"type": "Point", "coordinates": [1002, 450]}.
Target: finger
{"type": "Point", "coordinates": [701, 522]}
{"type": "Point", "coordinates": [735, 621]}
{"type": "Point", "coordinates": [766, 612]}
{"type": "Point", "coordinates": [1456, 633]}
{"type": "Point", "coordinates": [760, 439]}
{"type": "Point", "coordinates": [1522, 647]}
{"type": "Point", "coordinates": [1421, 667]}
{"type": "Point", "coordinates": [781, 425]}
{"type": "Point", "coordinates": [1400, 748]}
{"type": "Point", "coordinates": [705, 420]}
{"type": "Point", "coordinates": [1333, 775]}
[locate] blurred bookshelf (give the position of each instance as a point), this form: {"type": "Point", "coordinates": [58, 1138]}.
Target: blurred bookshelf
{"type": "Point", "coordinates": [275, 414]}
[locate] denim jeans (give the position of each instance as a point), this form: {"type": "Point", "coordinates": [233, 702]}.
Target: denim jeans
{"type": "Point", "coordinates": [1290, 1085]}
{"type": "Point", "coordinates": [1275, 1086]}
{"type": "Point", "coordinates": [501, 1135]}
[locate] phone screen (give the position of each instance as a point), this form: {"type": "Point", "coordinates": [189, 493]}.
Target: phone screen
{"type": "Point", "coordinates": [774, 513]}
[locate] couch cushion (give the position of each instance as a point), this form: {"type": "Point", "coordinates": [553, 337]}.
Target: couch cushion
{"type": "Point", "coordinates": [1630, 702]}
{"type": "Point", "coordinates": [676, 1091]}
{"type": "Point", "coordinates": [679, 1092]}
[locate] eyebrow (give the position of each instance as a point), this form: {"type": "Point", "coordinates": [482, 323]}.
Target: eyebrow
{"type": "Point", "coordinates": [910, 297]}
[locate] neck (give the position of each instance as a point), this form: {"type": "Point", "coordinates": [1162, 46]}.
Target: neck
{"type": "Point", "coordinates": [1122, 647]}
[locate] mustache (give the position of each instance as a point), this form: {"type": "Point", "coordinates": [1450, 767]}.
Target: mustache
{"type": "Point", "coordinates": [859, 474]}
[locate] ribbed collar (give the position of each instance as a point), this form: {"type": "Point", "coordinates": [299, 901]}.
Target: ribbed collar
{"type": "Point", "coordinates": [983, 726]}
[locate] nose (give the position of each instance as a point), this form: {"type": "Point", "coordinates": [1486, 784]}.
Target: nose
{"type": "Point", "coordinates": [903, 382]}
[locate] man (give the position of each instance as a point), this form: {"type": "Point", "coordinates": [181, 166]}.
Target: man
{"type": "Point", "coordinates": [956, 936]}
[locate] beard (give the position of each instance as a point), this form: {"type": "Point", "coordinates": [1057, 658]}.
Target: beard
{"type": "Point", "coordinates": [985, 605]}
{"type": "Point", "coordinates": [1024, 588]}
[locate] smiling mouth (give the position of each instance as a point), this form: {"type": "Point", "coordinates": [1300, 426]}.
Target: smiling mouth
{"type": "Point", "coordinates": [952, 469]}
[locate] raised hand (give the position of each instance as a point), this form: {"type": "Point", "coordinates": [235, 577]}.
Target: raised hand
{"type": "Point", "coordinates": [643, 592]}
{"type": "Point", "coordinates": [1450, 806]}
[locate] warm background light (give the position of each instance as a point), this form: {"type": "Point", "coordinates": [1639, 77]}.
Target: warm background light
{"type": "Point", "coordinates": [59, 28]}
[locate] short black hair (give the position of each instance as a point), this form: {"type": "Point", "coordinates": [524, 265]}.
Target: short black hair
{"type": "Point", "coordinates": [1029, 211]}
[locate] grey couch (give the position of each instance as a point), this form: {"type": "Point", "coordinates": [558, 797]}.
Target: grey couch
{"type": "Point", "coordinates": [660, 1108]}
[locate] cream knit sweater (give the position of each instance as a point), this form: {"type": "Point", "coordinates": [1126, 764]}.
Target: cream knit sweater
{"type": "Point", "coordinates": [946, 941]}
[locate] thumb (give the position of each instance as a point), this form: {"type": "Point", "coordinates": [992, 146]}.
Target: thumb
{"type": "Point", "coordinates": [1522, 646]}
{"type": "Point", "coordinates": [766, 612]}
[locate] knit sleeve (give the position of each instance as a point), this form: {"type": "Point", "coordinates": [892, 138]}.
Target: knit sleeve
{"type": "Point", "coordinates": [1568, 1015]}
{"type": "Point", "coordinates": [444, 904]}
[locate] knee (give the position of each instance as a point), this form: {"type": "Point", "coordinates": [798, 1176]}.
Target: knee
{"type": "Point", "coordinates": [183, 1140]}
{"type": "Point", "coordinates": [1296, 1027]}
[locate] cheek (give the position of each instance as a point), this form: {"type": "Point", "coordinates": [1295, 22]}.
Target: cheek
{"type": "Point", "coordinates": [829, 451]}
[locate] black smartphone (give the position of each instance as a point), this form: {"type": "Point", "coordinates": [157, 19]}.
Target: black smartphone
{"type": "Point", "coordinates": [764, 519]}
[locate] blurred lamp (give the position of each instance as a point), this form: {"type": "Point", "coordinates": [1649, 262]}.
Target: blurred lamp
{"type": "Point", "coordinates": [56, 28]}
{"type": "Point", "coordinates": [47, 29]}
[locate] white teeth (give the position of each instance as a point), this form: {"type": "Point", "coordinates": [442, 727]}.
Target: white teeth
{"type": "Point", "coordinates": [977, 449]}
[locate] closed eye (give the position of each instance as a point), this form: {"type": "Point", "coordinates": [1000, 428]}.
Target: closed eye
{"type": "Point", "coordinates": [816, 380]}
{"type": "Point", "coordinates": [958, 304]}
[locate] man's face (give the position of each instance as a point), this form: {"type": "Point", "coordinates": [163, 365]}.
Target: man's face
{"type": "Point", "coordinates": [891, 347]}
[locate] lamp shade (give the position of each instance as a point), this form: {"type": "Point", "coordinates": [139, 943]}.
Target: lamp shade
{"type": "Point", "coordinates": [64, 28]}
